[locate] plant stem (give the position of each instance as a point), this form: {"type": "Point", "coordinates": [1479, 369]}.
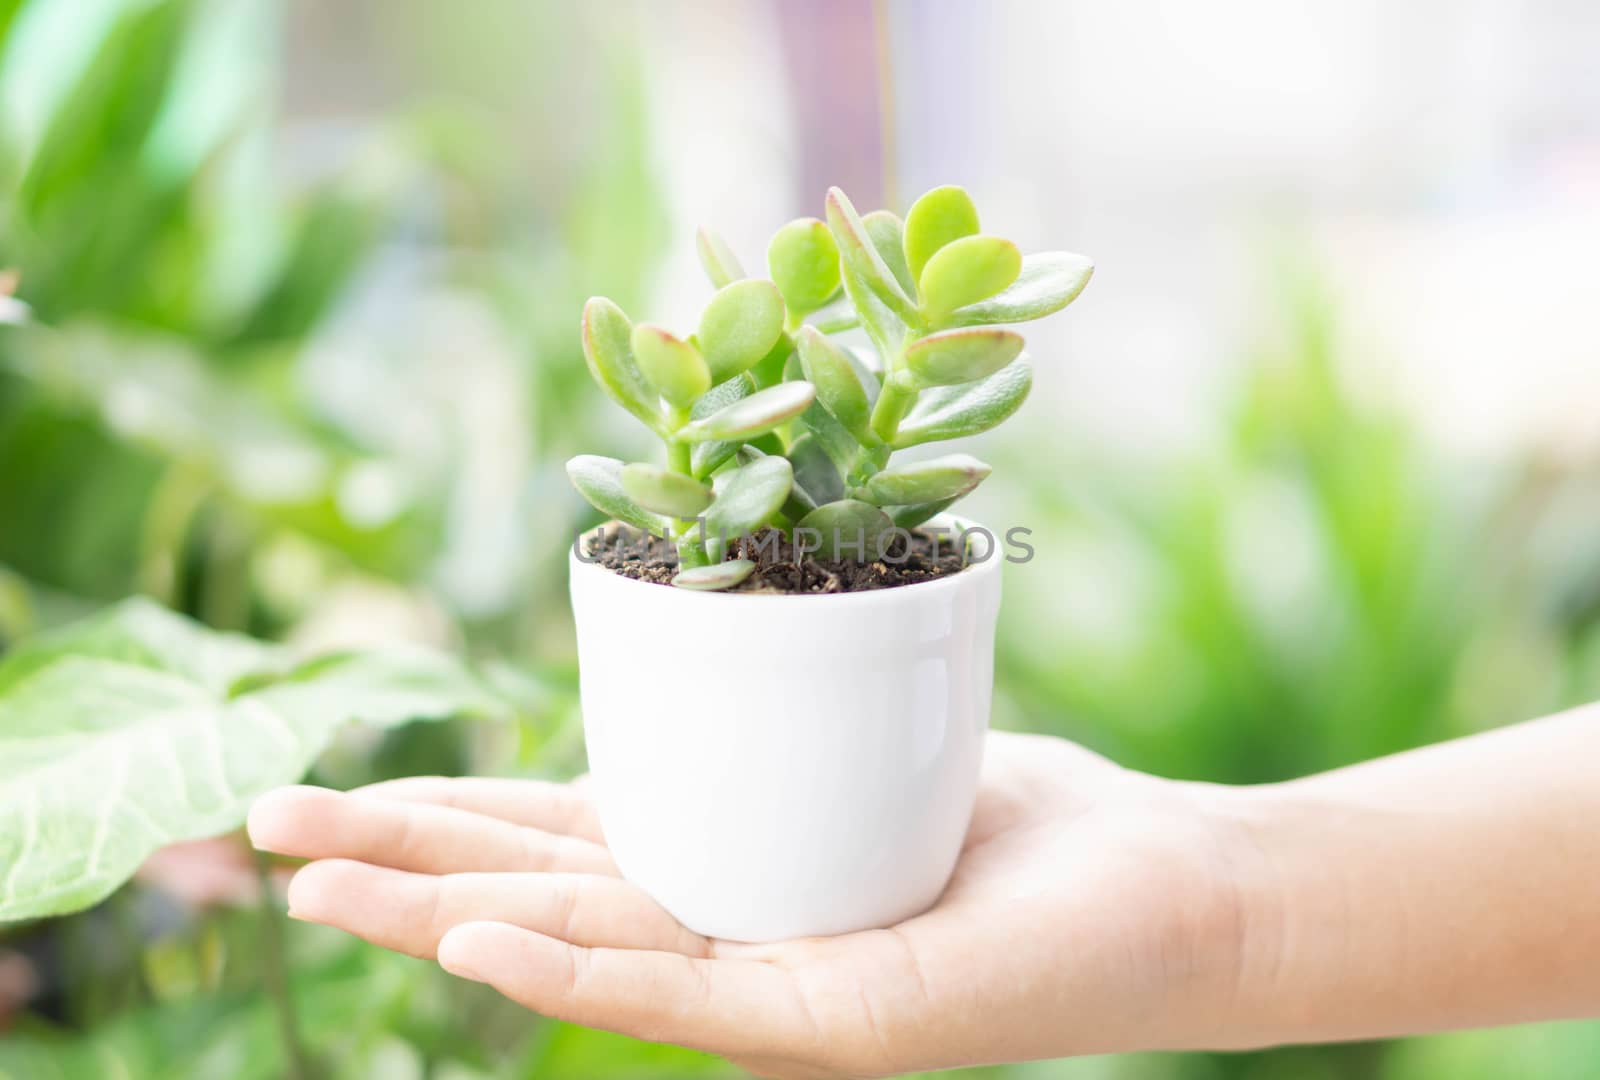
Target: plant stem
{"type": "Point", "coordinates": [838, 324]}
{"type": "Point", "coordinates": [275, 975]}
{"type": "Point", "coordinates": [678, 457]}
{"type": "Point", "coordinates": [893, 404]}
{"type": "Point", "coordinates": [680, 460]}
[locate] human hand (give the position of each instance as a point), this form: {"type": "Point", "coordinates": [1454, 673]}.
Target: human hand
{"type": "Point", "coordinates": [1092, 910]}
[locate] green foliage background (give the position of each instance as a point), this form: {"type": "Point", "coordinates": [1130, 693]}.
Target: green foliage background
{"type": "Point", "coordinates": [1315, 589]}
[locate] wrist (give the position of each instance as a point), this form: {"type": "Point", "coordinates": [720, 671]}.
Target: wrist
{"type": "Point", "coordinates": [1244, 1001]}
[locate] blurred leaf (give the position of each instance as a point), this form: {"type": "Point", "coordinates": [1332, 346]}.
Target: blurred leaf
{"type": "Point", "coordinates": [938, 217]}
{"type": "Point", "coordinates": [739, 326]}
{"type": "Point", "coordinates": [965, 271]}
{"type": "Point", "coordinates": [138, 728]}
{"type": "Point", "coordinates": [954, 412]}
{"type": "Point", "coordinates": [599, 479]}
{"type": "Point", "coordinates": [1047, 283]}
{"type": "Point", "coordinates": [347, 997]}
{"type": "Point", "coordinates": [574, 1053]}
{"type": "Point", "coordinates": [717, 258]}
{"type": "Point", "coordinates": [333, 235]}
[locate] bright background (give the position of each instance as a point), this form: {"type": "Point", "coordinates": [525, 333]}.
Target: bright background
{"type": "Point", "coordinates": [1312, 467]}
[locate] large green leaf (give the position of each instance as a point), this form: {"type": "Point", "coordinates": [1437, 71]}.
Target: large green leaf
{"type": "Point", "coordinates": [1048, 282]}
{"type": "Point", "coordinates": [952, 357]}
{"type": "Point", "coordinates": [599, 480]}
{"type": "Point", "coordinates": [137, 728]}
{"type": "Point", "coordinates": [739, 326]}
{"type": "Point", "coordinates": [750, 416]}
{"type": "Point", "coordinates": [934, 480]}
{"type": "Point", "coordinates": [954, 412]}
{"type": "Point", "coordinates": [748, 496]}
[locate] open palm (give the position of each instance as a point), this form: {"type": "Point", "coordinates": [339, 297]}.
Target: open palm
{"type": "Point", "coordinates": [1088, 913]}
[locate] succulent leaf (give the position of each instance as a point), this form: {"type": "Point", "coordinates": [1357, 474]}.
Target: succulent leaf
{"type": "Point", "coordinates": [832, 370]}
{"type": "Point", "coordinates": [840, 445]}
{"type": "Point", "coordinates": [888, 235]}
{"type": "Point", "coordinates": [949, 477]}
{"type": "Point", "coordinates": [1049, 281]}
{"type": "Point", "coordinates": [803, 259]}
{"type": "Point", "coordinates": [663, 491]}
{"type": "Point", "coordinates": [599, 479]}
{"type": "Point", "coordinates": [962, 355]}
{"type": "Point", "coordinates": [715, 577]}
{"type": "Point", "coordinates": [753, 415]}
{"type": "Point", "coordinates": [886, 330]}
{"type": "Point", "coordinates": [673, 366]}
{"type": "Point", "coordinates": [748, 497]}
{"type": "Point", "coordinates": [814, 470]}
{"type": "Point", "coordinates": [909, 517]}
{"type": "Point", "coordinates": [940, 216]}
{"type": "Point", "coordinates": [706, 458]}
{"type": "Point", "coordinates": [966, 271]}
{"type": "Point", "coordinates": [850, 529]}
{"type": "Point", "coordinates": [954, 412]}
{"type": "Point", "coordinates": [860, 256]}
{"type": "Point", "coordinates": [717, 258]}
{"type": "Point", "coordinates": [739, 326]}
{"type": "Point", "coordinates": [608, 350]}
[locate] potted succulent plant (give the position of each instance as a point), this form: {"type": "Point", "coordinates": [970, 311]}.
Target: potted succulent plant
{"type": "Point", "coordinates": [787, 742]}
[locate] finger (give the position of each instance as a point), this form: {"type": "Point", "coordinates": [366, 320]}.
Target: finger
{"type": "Point", "coordinates": [723, 1006]}
{"type": "Point", "coordinates": [556, 808]}
{"type": "Point", "coordinates": [316, 823]}
{"type": "Point", "coordinates": [411, 912]}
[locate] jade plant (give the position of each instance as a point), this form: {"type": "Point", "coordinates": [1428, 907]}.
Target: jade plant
{"type": "Point", "coordinates": [771, 416]}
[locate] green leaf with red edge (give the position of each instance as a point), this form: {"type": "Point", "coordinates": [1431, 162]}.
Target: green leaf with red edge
{"type": "Point", "coordinates": [966, 271]}
{"type": "Point", "coordinates": [739, 326]}
{"type": "Point", "coordinates": [803, 259]}
{"type": "Point", "coordinates": [608, 350]}
{"type": "Point", "coordinates": [1048, 282]}
{"type": "Point", "coordinates": [962, 355]}
{"type": "Point", "coordinates": [938, 217]}
{"type": "Point", "coordinates": [861, 257]}
{"type": "Point", "coordinates": [955, 412]}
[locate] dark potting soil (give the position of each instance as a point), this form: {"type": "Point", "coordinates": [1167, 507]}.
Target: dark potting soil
{"type": "Point", "coordinates": [644, 557]}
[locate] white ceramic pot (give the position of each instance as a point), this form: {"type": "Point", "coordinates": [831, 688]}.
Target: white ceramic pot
{"type": "Point", "coordinates": [772, 767]}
